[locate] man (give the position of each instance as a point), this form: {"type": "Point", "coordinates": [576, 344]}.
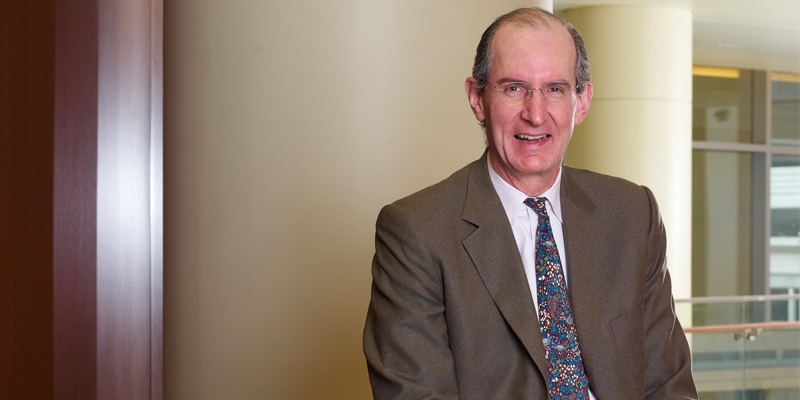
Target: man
{"type": "Point", "coordinates": [469, 296]}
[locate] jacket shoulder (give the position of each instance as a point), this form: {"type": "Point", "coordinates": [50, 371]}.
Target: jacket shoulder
{"type": "Point", "coordinates": [603, 188]}
{"type": "Point", "coordinates": [443, 194]}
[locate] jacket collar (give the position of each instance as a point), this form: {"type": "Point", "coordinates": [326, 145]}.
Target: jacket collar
{"type": "Point", "coordinates": [494, 253]}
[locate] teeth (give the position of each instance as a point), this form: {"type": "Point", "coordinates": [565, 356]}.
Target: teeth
{"type": "Point", "coordinates": [531, 138]}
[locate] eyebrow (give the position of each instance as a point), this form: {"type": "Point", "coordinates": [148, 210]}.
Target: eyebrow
{"type": "Point", "coordinates": [516, 80]}
{"type": "Point", "coordinates": [511, 80]}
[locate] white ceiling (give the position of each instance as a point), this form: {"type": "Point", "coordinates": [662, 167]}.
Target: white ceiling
{"type": "Point", "coordinates": [761, 34]}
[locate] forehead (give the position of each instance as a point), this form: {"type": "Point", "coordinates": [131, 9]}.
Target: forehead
{"type": "Point", "coordinates": [522, 51]}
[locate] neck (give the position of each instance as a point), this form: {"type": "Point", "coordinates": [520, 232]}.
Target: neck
{"type": "Point", "coordinates": [531, 185]}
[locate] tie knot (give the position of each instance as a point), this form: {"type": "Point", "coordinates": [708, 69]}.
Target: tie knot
{"type": "Point", "coordinates": [537, 204]}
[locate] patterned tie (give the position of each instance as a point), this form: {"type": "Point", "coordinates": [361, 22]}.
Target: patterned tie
{"type": "Point", "coordinates": [566, 377]}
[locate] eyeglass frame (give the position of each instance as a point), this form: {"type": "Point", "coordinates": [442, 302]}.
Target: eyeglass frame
{"type": "Point", "coordinates": [569, 89]}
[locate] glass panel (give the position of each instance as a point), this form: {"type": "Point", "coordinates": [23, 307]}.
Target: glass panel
{"type": "Point", "coordinates": [771, 362]}
{"type": "Point", "coordinates": [722, 107]}
{"type": "Point", "coordinates": [728, 313]}
{"type": "Point", "coordinates": [786, 110]}
{"type": "Point", "coordinates": [721, 223]}
{"type": "Point", "coordinates": [784, 241]}
{"type": "Point", "coordinates": [718, 364]}
{"type": "Point", "coordinates": [744, 362]}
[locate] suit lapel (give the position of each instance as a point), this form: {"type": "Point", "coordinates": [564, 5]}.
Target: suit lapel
{"type": "Point", "coordinates": [494, 252]}
{"type": "Point", "coordinates": [582, 244]}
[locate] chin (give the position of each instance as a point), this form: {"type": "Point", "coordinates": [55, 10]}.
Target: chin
{"type": "Point", "coordinates": [539, 169]}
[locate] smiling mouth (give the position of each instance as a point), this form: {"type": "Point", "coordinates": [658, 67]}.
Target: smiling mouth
{"type": "Point", "coordinates": [531, 138]}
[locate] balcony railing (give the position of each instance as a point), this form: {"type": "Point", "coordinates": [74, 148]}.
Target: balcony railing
{"type": "Point", "coordinates": [744, 347]}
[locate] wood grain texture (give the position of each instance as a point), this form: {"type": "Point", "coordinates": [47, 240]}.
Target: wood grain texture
{"type": "Point", "coordinates": [26, 201]}
{"type": "Point", "coordinates": [123, 200]}
{"type": "Point", "coordinates": [75, 200]}
{"type": "Point", "coordinates": [80, 209]}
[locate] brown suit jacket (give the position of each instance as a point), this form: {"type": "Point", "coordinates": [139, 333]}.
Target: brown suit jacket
{"type": "Point", "coordinates": [451, 314]}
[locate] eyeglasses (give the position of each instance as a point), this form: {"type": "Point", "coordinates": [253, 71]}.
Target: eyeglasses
{"type": "Point", "coordinates": [553, 92]}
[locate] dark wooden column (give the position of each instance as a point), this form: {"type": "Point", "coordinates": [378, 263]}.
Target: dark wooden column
{"type": "Point", "coordinates": [75, 200]}
{"type": "Point", "coordinates": [27, 35]}
{"type": "Point", "coordinates": [124, 191]}
{"type": "Point", "coordinates": [80, 199]}
{"type": "Point", "coordinates": [156, 199]}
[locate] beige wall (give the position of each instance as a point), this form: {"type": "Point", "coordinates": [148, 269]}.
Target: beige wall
{"type": "Point", "coordinates": [287, 126]}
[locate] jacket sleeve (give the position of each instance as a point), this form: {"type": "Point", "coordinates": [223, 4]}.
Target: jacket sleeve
{"type": "Point", "coordinates": [405, 336]}
{"type": "Point", "coordinates": [668, 365]}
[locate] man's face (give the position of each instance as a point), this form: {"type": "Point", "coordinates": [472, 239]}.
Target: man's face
{"type": "Point", "coordinates": [528, 138]}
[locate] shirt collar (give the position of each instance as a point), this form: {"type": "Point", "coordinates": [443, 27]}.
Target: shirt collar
{"type": "Point", "coordinates": [513, 199]}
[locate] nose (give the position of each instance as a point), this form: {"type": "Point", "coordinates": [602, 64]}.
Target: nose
{"type": "Point", "coordinates": [534, 108]}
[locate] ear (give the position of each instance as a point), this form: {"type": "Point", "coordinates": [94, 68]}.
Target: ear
{"type": "Point", "coordinates": [582, 104]}
{"type": "Point", "coordinates": [475, 97]}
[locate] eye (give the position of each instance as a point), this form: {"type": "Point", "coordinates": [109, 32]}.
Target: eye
{"type": "Point", "coordinates": [556, 89]}
{"type": "Point", "coordinates": [515, 91]}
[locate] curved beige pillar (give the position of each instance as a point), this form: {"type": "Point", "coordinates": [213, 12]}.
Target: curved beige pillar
{"type": "Point", "coordinates": [639, 124]}
{"type": "Point", "coordinates": [545, 4]}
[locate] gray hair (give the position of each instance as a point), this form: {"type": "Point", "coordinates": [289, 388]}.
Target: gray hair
{"type": "Point", "coordinates": [533, 16]}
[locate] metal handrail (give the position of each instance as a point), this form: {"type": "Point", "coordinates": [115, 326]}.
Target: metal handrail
{"type": "Point", "coordinates": [742, 327]}
{"type": "Point", "coordinates": [733, 299]}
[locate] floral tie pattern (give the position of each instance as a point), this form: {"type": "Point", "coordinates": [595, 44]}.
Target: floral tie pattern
{"type": "Point", "coordinates": [566, 376]}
